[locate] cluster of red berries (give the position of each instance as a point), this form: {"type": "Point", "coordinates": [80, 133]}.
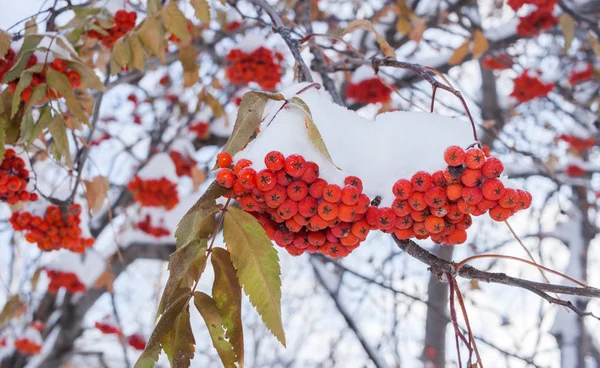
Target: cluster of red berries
{"type": "Point", "coordinates": [107, 328]}
{"type": "Point", "coordinates": [232, 26]}
{"type": "Point", "coordinates": [124, 22]}
{"type": "Point", "coordinates": [262, 66]}
{"type": "Point", "coordinates": [13, 179]}
{"type": "Point", "coordinates": [67, 280]}
{"type": "Point", "coordinates": [440, 205]}
{"type": "Point", "coordinates": [578, 144]}
{"type": "Point", "coordinates": [60, 65]}
{"type": "Point", "coordinates": [200, 128]}
{"type": "Point", "coordinates": [147, 227]}
{"type": "Point", "coordinates": [26, 346]}
{"type": "Point", "coordinates": [55, 230]}
{"type": "Point", "coordinates": [136, 341]}
{"type": "Point", "coordinates": [574, 171]}
{"type": "Point", "coordinates": [371, 90]}
{"type": "Point", "coordinates": [539, 20]}
{"type": "Point", "coordinates": [497, 62]}
{"type": "Point", "coordinates": [154, 192]}
{"type": "Point", "coordinates": [579, 76]}
{"type": "Point", "coordinates": [527, 88]}
{"type": "Point", "coordinates": [298, 210]}
{"type": "Point", "coordinates": [183, 163]}
{"type": "Point", "coordinates": [517, 4]}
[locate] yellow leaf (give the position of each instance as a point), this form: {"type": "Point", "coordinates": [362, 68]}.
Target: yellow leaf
{"type": "Point", "coordinates": [175, 22]}
{"type": "Point", "coordinates": [105, 280]}
{"type": "Point", "coordinates": [31, 26]}
{"type": "Point", "coordinates": [59, 82]}
{"type": "Point", "coordinates": [213, 102]}
{"type": "Point", "coordinates": [368, 26]}
{"type": "Point", "coordinates": [60, 143]}
{"type": "Point", "coordinates": [151, 34]}
{"type": "Point", "coordinates": [95, 192]}
{"type": "Point", "coordinates": [567, 25]}
{"type": "Point", "coordinates": [416, 34]}
{"type": "Point", "coordinates": [201, 10]}
{"type": "Point", "coordinates": [403, 25]}
{"type": "Point", "coordinates": [480, 44]}
{"type": "Point", "coordinates": [5, 39]}
{"type": "Point", "coordinates": [474, 284]}
{"type": "Point", "coordinates": [210, 313]}
{"type": "Point", "coordinates": [187, 55]}
{"type": "Point", "coordinates": [595, 43]}
{"type": "Point", "coordinates": [198, 177]}
{"type": "Point", "coordinates": [460, 53]}
{"type": "Point", "coordinates": [121, 56]}
{"type": "Point", "coordinates": [13, 308]}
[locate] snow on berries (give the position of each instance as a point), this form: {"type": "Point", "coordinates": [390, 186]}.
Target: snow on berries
{"type": "Point", "coordinates": [183, 163]}
{"type": "Point", "coordinates": [14, 178]}
{"type": "Point", "coordinates": [528, 87]}
{"type": "Point", "coordinates": [154, 192]}
{"type": "Point", "coordinates": [149, 228]}
{"type": "Point", "coordinates": [539, 20]}
{"type": "Point", "coordinates": [30, 343]}
{"type": "Point", "coordinates": [122, 22]}
{"type": "Point", "coordinates": [251, 62]}
{"type": "Point", "coordinates": [64, 279]}
{"type": "Point", "coordinates": [497, 62]}
{"type": "Point", "coordinates": [57, 228]}
{"type": "Point", "coordinates": [365, 87]}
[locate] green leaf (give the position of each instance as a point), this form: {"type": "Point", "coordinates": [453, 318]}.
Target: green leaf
{"type": "Point", "coordinates": [59, 82]}
{"type": "Point", "coordinates": [199, 222]}
{"type": "Point", "coordinates": [257, 265]}
{"type": "Point", "coordinates": [201, 10]}
{"type": "Point", "coordinates": [42, 123]}
{"type": "Point", "coordinates": [137, 52]}
{"type": "Point", "coordinates": [30, 42]}
{"type": "Point", "coordinates": [31, 26]}
{"type": "Point", "coordinates": [150, 354]}
{"type": "Point", "coordinates": [152, 34]}
{"type": "Point", "coordinates": [313, 132]}
{"type": "Point", "coordinates": [60, 143]}
{"type": "Point", "coordinates": [5, 40]}
{"type": "Point", "coordinates": [37, 95]}
{"type": "Point", "coordinates": [18, 68]}
{"type": "Point", "coordinates": [227, 294]}
{"type": "Point", "coordinates": [248, 119]}
{"type": "Point", "coordinates": [179, 264]}
{"type": "Point", "coordinates": [84, 11]}
{"type": "Point", "coordinates": [209, 311]}
{"type": "Point", "coordinates": [24, 82]}
{"type": "Point", "coordinates": [89, 78]}
{"type": "Point", "coordinates": [27, 126]}
{"type": "Point", "coordinates": [175, 22]}
{"type": "Point", "coordinates": [179, 342]}
{"type": "Point", "coordinates": [121, 56]}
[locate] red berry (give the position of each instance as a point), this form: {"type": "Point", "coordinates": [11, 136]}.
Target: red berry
{"type": "Point", "coordinates": [524, 199]}
{"type": "Point", "coordinates": [492, 168]}
{"type": "Point", "coordinates": [500, 214]}
{"type": "Point", "coordinates": [276, 196]}
{"type": "Point", "coordinates": [316, 188]}
{"type": "Point", "coordinates": [311, 174]}
{"type": "Point", "coordinates": [402, 189]}
{"type": "Point", "coordinates": [355, 182]}
{"type": "Point", "coordinates": [242, 163]}
{"type": "Point", "coordinates": [225, 178]}
{"type": "Point", "coordinates": [346, 213]}
{"type": "Point", "coordinates": [288, 209]}
{"type": "Point", "coordinates": [417, 201]}
{"type": "Point", "coordinates": [435, 197]}
{"type": "Point", "coordinates": [265, 180]}
{"type": "Point", "coordinates": [404, 222]}
{"type": "Point", "coordinates": [434, 225]}
{"type": "Point", "coordinates": [274, 160]}
{"type": "Point", "coordinates": [386, 219]}
{"type": "Point", "coordinates": [403, 234]}
{"type": "Point", "coordinates": [350, 195]}
{"type": "Point", "coordinates": [295, 165]}
{"type": "Point", "coordinates": [421, 181]}
{"type": "Point", "coordinates": [401, 208]}
{"type": "Point", "coordinates": [510, 198]}
{"type": "Point", "coordinates": [307, 207]}
{"type": "Point", "coordinates": [328, 211]}
{"type": "Point", "coordinates": [472, 196]}
{"type": "Point", "coordinates": [360, 229]}
{"type": "Point", "coordinates": [316, 238]}
{"type": "Point", "coordinates": [247, 177]}
{"type": "Point", "coordinates": [363, 203]}
{"type": "Point", "coordinates": [471, 177]}
{"type": "Point", "coordinates": [454, 156]}
{"type": "Point", "coordinates": [454, 191]}
{"type": "Point", "coordinates": [223, 159]}
{"type": "Point", "coordinates": [457, 237]}
{"type": "Point", "coordinates": [332, 193]}
{"type": "Point", "coordinates": [474, 158]}
{"type": "Point", "coordinates": [492, 189]}
{"type": "Point", "coordinates": [297, 190]}
{"type": "Point", "coordinates": [438, 178]}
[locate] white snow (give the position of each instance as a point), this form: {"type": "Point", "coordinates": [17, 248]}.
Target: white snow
{"type": "Point", "coordinates": [159, 166]}
{"type": "Point", "coordinates": [86, 266]}
{"type": "Point", "coordinates": [395, 145]}
{"type": "Point", "coordinates": [251, 42]}
{"type": "Point", "coordinates": [33, 335]}
{"type": "Point", "coordinates": [362, 73]}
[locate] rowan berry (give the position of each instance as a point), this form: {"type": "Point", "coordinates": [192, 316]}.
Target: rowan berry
{"type": "Point", "coordinates": [242, 163]}
{"type": "Point", "coordinates": [248, 203]}
{"type": "Point", "coordinates": [454, 191]}
{"type": "Point", "coordinates": [421, 181]}
{"type": "Point", "coordinates": [510, 198]}
{"type": "Point", "coordinates": [486, 204]}
{"type": "Point", "coordinates": [464, 207]}
{"type": "Point", "coordinates": [295, 165]}
{"type": "Point", "coordinates": [265, 180]}
{"type": "Point", "coordinates": [328, 211]}
{"type": "Point", "coordinates": [450, 178]}
{"type": "Point", "coordinates": [492, 189]}
{"type": "Point", "coordinates": [474, 158]}
{"type": "Point", "coordinates": [247, 178]}
{"type": "Point", "coordinates": [438, 178]}
{"type": "Point", "coordinates": [454, 156]}
{"type": "Point", "coordinates": [464, 223]}
{"type": "Point", "coordinates": [360, 229]}
{"type": "Point", "coordinates": [441, 211]}
{"type": "Point", "coordinates": [419, 216]}
{"type": "Point", "coordinates": [316, 188]}
{"type": "Point", "coordinates": [419, 229]}
{"type": "Point", "coordinates": [500, 213]}
{"type": "Point", "coordinates": [276, 196]}
{"type": "Point", "coordinates": [311, 173]}
{"type": "Point", "coordinates": [297, 190]}
{"type": "Point", "coordinates": [402, 189]}
{"type": "Point", "coordinates": [371, 216]}
{"type": "Point", "coordinates": [355, 182]}
{"type": "Point", "coordinates": [386, 219]}
{"type": "Point", "coordinates": [434, 225]}
{"type": "Point", "coordinates": [404, 234]}
{"type": "Point", "coordinates": [317, 223]}
{"type": "Point", "coordinates": [401, 208]}
{"type": "Point", "coordinates": [492, 168]}
{"type": "Point", "coordinates": [457, 237]}
{"type": "Point", "coordinates": [435, 197]}
{"type": "Point", "coordinates": [316, 238]}
{"type": "Point", "coordinates": [472, 196]}
{"type": "Point", "coordinates": [471, 178]}
{"type": "Point", "coordinates": [524, 199]}
{"type": "Point", "coordinates": [224, 159]}
{"type": "Point", "coordinates": [347, 213]}
{"type": "Point", "coordinates": [363, 204]}
{"type": "Point", "coordinates": [283, 178]}
{"type": "Point", "coordinates": [350, 195]}
{"type": "Point", "coordinates": [349, 240]}
{"type": "Point", "coordinates": [274, 160]}
{"type": "Point", "coordinates": [308, 206]}
{"type": "Point", "coordinates": [238, 189]}
{"type": "Point", "coordinates": [332, 193]}
{"type": "Point", "coordinates": [417, 201]}
{"type": "Point", "coordinates": [60, 65]}
{"type": "Point", "coordinates": [404, 222]}
{"type": "Point", "coordinates": [283, 237]}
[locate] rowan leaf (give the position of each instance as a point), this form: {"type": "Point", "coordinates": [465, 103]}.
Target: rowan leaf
{"type": "Point", "coordinates": [27, 126]}
{"type": "Point", "coordinates": [199, 221]}
{"type": "Point", "coordinates": [2, 142]}
{"type": "Point", "coordinates": [12, 308]}
{"type": "Point", "coordinates": [201, 10]}
{"type": "Point", "coordinates": [24, 82]}
{"type": "Point", "coordinates": [594, 43]}
{"type": "Point", "coordinates": [59, 82]}
{"type": "Point", "coordinates": [179, 342]}
{"type": "Point", "coordinates": [31, 26]}
{"type": "Point", "coordinates": [313, 132]}
{"type": "Point", "coordinates": [42, 123]}
{"type": "Point", "coordinates": [227, 294]}
{"type": "Point", "coordinates": [480, 44]}
{"type": "Point", "coordinates": [121, 56]}
{"type": "Point", "coordinates": [20, 65]}
{"type": "Point", "coordinates": [95, 192]}
{"type": "Point", "coordinates": [175, 22]}
{"type": "Point", "coordinates": [248, 119]}
{"type": "Point", "coordinates": [35, 278]}
{"type": "Point", "coordinates": [105, 280]}
{"type": "Point", "coordinates": [179, 264]}
{"type": "Point", "coordinates": [89, 78]}
{"type": "Point", "coordinates": [60, 143]}
{"type": "Point", "coordinates": [5, 40]}
{"type": "Point", "coordinates": [460, 53]}
{"type": "Point", "coordinates": [151, 34]}
{"type": "Point", "coordinates": [150, 354]}
{"type": "Point", "coordinates": [37, 95]}
{"type": "Point", "coordinates": [366, 25]}
{"type": "Point", "coordinates": [257, 266]}
{"type": "Point", "coordinates": [137, 52]}
{"type": "Point", "coordinates": [567, 26]}
{"type": "Point", "coordinates": [153, 6]}
{"type": "Point", "coordinates": [210, 313]}
{"type": "Point", "coordinates": [214, 103]}
{"type": "Point", "coordinates": [187, 56]}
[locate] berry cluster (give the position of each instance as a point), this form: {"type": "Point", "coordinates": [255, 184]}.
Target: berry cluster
{"type": "Point", "coordinates": [371, 90]}
{"type": "Point", "coordinates": [136, 341]}
{"type": "Point", "coordinates": [298, 210]}
{"type": "Point", "coordinates": [124, 22]}
{"type": "Point", "coordinates": [26, 346]}
{"type": "Point", "coordinates": [579, 76]}
{"type": "Point", "coordinates": [200, 128]}
{"type": "Point", "coordinates": [107, 326]}
{"type": "Point", "coordinates": [13, 179]}
{"type": "Point", "coordinates": [440, 205]}
{"type": "Point", "coordinates": [232, 26]}
{"type": "Point", "coordinates": [183, 164]}
{"type": "Point", "coordinates": [60, 65]}
{"type": "Point", "coordinates": [527, 88]}
{"type": "Point", "coordinates": [574, 171]}
{"type": "Point", "coordinates": [578, 144]}
{"type": "Point", "coordinates": [154, 192]}
{"type": "Point", "coordinates": [539, 20]}
{"type": "Point", "coordinates": [517, 4]}
{"type": "Point", "coordinates": [55, 230]}
{"type": "Point", "coordinates": [68, 280]}
{"type": "Point", "coordinates": [262, 66]}
{"type": "Point", "coordinates": [497, 62]}
{"type": "Point", "coordinates": [147, 227]}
